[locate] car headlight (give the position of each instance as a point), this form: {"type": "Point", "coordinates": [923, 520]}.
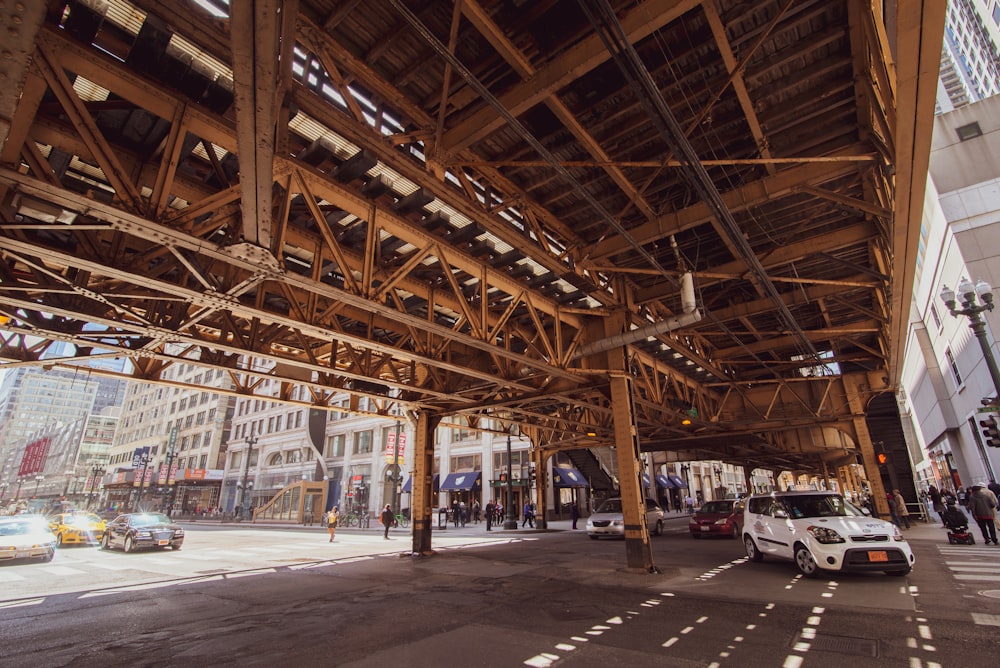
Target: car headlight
{"type": "Point", "coordinates": [897, 535]}
{"type": "Point", "coordinates": [825, 535]}
{"type": "Point", "coordinates": [724, 520]}
{"type": "Point", "coordinates": [143, 534]}
{"type": "Point", "coordinates": [179, 533]}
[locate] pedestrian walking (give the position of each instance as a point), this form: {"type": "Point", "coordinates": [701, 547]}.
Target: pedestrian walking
{"type": "Point", "coordinates": [476, 511]}
{"type": "Point", "coordinates": [574, 513]}
{"type": "Point", "coordinates": [937, 502]}
{"type": "Point", "coordinates": [386, 518]}
{"type": "Point", "coordinates": [529, 515]}
{"type": "Point", "coordinates": [901, 510]}
{"type": "Point", "coordinates": [983, 506]}
{"type": "Point", "coordinates": [490, 514]}
{"type": "Point", "coordinates": [331, 521]}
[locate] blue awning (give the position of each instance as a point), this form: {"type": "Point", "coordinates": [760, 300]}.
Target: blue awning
{"type": "Point", "coordinates": [645, 480]}
{"type": "Point", "coordinates": [678, 481]}
{"type": "Point", "coordinates": [408, 485]}
{"type": "Point", "coordinates": [664, 482]}
{"type": "Point", "coordinates": [461, 482]}
{"type": "Point", "coordinates": [568, 478]}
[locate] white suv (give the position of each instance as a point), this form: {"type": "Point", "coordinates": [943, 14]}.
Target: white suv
{"type": "Point", "coordinates": [821, 531]}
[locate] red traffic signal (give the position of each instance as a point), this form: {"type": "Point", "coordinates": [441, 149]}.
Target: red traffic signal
{"type": "Point", "coordinates": [882, 458]}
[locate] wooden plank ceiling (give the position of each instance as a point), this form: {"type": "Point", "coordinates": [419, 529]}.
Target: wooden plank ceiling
{"type": "Point", "coordinates": [445, 204]}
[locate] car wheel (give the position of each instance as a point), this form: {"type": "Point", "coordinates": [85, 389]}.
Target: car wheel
{"type": "Point", "coordinates": [658, 529]}
{"type": "Point", "coordinates": [176, 547]}
{"type": "Point", "coordinates": [805, 562]}
{"type": "Point", "coordinates": [129, 546]}
{"type": "Point", "coordinates": [59, 541]}
{"type": "Point", "coordinates": [105, 542]}
{"type": "Point", "coordinates": [751, 547]}
{"type": "Point", "coordinates": [48, 557]}
{"type": "Point", "coordinates": [735, 533]}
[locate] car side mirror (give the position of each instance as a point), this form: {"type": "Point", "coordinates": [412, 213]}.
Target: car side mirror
{"type": "Point", "coordinates": [781, 514]}
{"type": "Point", "coordinates": [866, 512]}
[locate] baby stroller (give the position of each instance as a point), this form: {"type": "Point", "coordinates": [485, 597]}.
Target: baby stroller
{"type": "Point", "coordinates": [958, 526]}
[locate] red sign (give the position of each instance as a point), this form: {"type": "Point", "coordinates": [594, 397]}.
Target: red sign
{"type": "Point", "coordinates": [33, 460]}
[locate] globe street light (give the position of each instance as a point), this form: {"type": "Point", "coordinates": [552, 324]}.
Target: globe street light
{"type": "Point", "coordinates": [38, 479]}
{"type": "Point", "coordinates": [975, 299]}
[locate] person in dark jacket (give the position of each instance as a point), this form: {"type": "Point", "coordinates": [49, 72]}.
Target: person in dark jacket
{"type": "Point", "coordinates": [387, 518]}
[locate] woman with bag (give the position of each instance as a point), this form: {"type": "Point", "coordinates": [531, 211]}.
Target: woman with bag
{"type": "Point", "coordinates": [331, 521]}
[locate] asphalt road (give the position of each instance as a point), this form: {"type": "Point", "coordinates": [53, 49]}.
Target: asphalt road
{"type": "Point", "coordinates": [257, 596]}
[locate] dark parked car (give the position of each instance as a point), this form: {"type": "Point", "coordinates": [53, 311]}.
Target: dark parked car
{"type": "Point", "coordinates": [137, 531]}
{"type": "Point", "coordinates": [718, 518]}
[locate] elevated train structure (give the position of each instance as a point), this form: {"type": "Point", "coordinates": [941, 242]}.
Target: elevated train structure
{"type": "Point", "coordinates": [687, 227]}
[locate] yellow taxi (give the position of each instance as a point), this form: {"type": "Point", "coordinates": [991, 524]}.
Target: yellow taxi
{"type": "Point", "coordinates": [77, 528]}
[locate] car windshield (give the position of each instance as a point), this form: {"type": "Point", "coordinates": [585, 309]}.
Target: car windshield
{"type": "Point", "coordinates": [611, 506]}
{"type": "Point", "coordinates": [820, 505]}
{"type": "Point", "coordinates": [719, 507]}
{"type": "Point", "coordinates": [150, 519]}
{"type": "Point", "coordinates": [22, 527]}
{"type": "Point", "coordinates": [81, 520]}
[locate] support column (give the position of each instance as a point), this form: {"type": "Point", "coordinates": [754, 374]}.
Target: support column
{"type": "Point", "coordinates": [855, 386]}
{"type": "Point", "coordinates": [638, 551]}
{"type": "Point", "coordinates": [423, 482]}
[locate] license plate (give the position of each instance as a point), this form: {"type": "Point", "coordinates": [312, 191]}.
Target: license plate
{"type": "Point", "coordinates": [165, 542]}
{"type": "Point", "coordinates": [878, 556]}
{"type": "Point", "coordinates": [704, 528]}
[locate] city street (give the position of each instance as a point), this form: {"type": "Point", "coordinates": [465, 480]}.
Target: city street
{"type": "Point", "coordinates": [256, 596]}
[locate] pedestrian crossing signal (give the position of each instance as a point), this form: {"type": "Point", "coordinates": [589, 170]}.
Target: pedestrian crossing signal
{"type": "Point", "coordinates": [882, 458]}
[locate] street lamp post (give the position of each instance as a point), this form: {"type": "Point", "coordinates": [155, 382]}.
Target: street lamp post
{"type": "Point", "coordinates": [973, 309]}
{"type": "Point", "coordinates": [3, 489]}
{"type": "Point", "coordinates": [685, 470]}
{"type": "Point", "coordinates": [20, 481]}
{"type": "Point", "coordinates": [96, 473]}
{"type": "Point", "coordinates": [166, 480]}
{"type": "Point", "coordinates": [251, 440]}
{"type": "Point", "coordinates": [510, 519]}
{"type": "Point", "coordinates": [395, 471]}
{"type": "Point", "coordinates": [38, 479]}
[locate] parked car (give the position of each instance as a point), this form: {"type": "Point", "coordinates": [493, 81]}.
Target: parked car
{"type": "Point", "coordinates": [77, 528]}
{"type": "Point", "coordinates": [821, 531]}
{"type": "Point", "coordinates": [137, 531]}
{"type": "Point", "coordinates": [609, 521]}
{"type": "Point", "coordinates": [718, 518]}
{"type": "Point", "coordinates": [26, 537]}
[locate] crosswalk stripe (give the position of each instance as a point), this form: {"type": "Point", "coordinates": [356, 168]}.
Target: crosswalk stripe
{"type": "Point", "coordinates": [10, 577]}
{"type": "Point", "coordinates": [61, 570]}
{"type": "Point", "coordinates": [985, 578]}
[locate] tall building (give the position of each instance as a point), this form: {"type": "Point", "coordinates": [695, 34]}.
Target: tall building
{"type": "Point", "coordinates": [945, 374]}
{"type": "Point", "coordinates": [170, 442]}
{"type": "Point", "coordinates": [34, 400]}
{"type": "Point", "coordinates": [970, 55]}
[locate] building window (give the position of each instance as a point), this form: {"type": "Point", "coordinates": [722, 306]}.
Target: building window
{"type": "Point", "coordinates": [335, 445]}
{"type": "Point", "coordinates": [954, 367]}
{"type": "Point", "coordinates": [936, 317]}
{"type": "Point", "coordinates": [362, 442]}
{"type": "Point", "coordinates": [970, 131]}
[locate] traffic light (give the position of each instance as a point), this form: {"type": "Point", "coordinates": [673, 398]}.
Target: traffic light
{"type": "Point", "coordinates": [882, 458]}
{"type": "Point", "coordinates": [991, 431]}
{"type": "Point", "coordinates": [503, 477]}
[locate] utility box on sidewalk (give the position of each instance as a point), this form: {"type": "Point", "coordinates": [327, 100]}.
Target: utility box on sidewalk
{"type": "Point", "coordinates": [443, 518]}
